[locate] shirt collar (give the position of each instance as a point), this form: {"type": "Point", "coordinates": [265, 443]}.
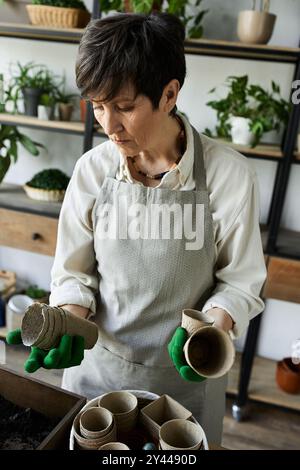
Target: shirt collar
{"type": "Point", "coordinates": [184, 167]}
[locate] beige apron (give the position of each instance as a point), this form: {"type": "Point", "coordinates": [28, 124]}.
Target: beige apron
{"type": "Point", "coordinates": [144, 286]}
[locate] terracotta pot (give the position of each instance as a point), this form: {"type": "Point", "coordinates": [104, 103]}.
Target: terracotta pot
{"type": "Point", "coordinates": [83, 108]}
{"type": "Point", "coordinates": [255, 27]}
{"type": "Point", "coordinates": [65, 111]}
{"type": "Point", "coordinates": [288, 376]}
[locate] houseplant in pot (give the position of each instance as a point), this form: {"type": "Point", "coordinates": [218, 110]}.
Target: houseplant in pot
{"type": "Point", "coordinates": [10, 137]}
{"type": "Point", "coordinates": [64, 101]}
{"type": "Point", "coordinates": [256, 26]}
{"type": "Point", "coordinates": [58, 13]}
{"type": "Point", "coordinates": [47, 185]}
{"type": "Point", "coordinates": [30, 81]}
{"type": "Point", "coordinates": [248, 111]}
{"type": "Point", "coordinates": [37, 294]}
{"type": "Point", "coordinates": [46, 107]}
{"type": "Point", "coordinates": [180, 8]}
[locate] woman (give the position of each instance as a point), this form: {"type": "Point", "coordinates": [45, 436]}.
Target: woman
{"type": "Point", "coordinates": [132, 67]}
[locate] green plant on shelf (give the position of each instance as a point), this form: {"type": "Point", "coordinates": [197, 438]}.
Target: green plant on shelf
{"type": "Point", "coordinates": [180, 8]}
{"type": "Point", "coordinates": [61, 3]}
{"type": "Point", "coordinates": [35, 292]}
{"type": "Point", "coordinates": [29, 76]}
{"type": "Point", "coordinates": [60, 94]}
{"type": "Point", "coordinates": [49, 179]}
{"type": "Point", "coordinates": [10, 137]}
{"type": "Point", "coordinates": [265, 110]}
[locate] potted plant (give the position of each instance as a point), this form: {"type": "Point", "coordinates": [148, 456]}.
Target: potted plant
{"type": "Point", "coordinates": [64, 101]}
{"type": "Point", "coordinates": [176, 7]}
{"type": "Point", "coordinates": [256, 26]}
{"type": "Point", "coordinates": [58, 13]}
{"type": "Point", "coordinates": [37, 294]}
{"type": "Point", "coordinates": [10, 136]}
{"type": "Point", "coordinates": [30, 81]}
{"type": "Point", "coordinates": [46, 107]}
{"type": "Point", "coordinates": [47, 185]}
{"type": "Point", "coordinates": [248, 111]}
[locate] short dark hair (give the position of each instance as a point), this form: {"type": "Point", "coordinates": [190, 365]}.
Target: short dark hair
{"type": "Point", "coordinates": [146, 50]}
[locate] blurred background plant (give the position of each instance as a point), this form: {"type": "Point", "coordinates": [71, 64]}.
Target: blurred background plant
{"type": "Point", "coordinates": [188, 11]}
{"type": "Point", "coordinates": [10, 136]}
{"type": "Point", "coordinates": [266, 110]}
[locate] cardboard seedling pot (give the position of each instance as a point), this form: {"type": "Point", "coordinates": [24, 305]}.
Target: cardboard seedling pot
{"type": "Point", "coordinates": [165, 408]}
{"type": "Point", "coordinates": [209, 352]}
{"type": "Point", "coordinates": [124, 407]}
{"type": "Point", "coordinates": [89, 443]}
{"type": "Point", "coordinates": [114, 446]}
{"type": "Point", "coordinates": [43, 326]}
{"type": "Point", "coordinates": [96, 422]}
{"type": "Point", "coordinates": [192, 320]}
{"type": "Point", "coordinates": [180, 434]}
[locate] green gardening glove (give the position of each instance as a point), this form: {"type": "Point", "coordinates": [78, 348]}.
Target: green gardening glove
{"type": "Point", "coordinates": [68, 353]}
{"type": "Point", "coordinates": [175, 348]}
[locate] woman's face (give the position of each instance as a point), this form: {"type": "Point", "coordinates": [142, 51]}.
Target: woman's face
{"type": "Point", "coordinates": [131, 122]}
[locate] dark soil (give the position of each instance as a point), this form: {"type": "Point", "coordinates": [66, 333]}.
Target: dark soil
{"type": "Point", "coordinates": [22, 428]}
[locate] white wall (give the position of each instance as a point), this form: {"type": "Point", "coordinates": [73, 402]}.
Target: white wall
{"type": "Point", "coordinates": [281, 320]}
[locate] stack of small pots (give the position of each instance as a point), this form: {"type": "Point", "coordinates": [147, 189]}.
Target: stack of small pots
{"type": "Point", "coordinates": [100, 427]}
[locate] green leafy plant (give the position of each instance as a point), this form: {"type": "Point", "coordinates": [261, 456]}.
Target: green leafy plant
{"type": "Point", "coordinates": [30, 75]}
{"type": "Point", "coordinates": [49, 179]}
{"type": "Point", "coordinates": [10, 136]}
{"type": "Point", "coordinates": [60, 94]}
{"type": "Point", "coordinates": [266, 111]}
{"type": "Point", "coordinates": [177, 7]}
{"type": "Point", "coordinates": [35, 292]}
{"type": "Point", "coordinates": [61, 3]}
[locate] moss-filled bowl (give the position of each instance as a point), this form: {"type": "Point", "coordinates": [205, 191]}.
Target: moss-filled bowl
{"type": "Point", "coordinates": [47, 185]}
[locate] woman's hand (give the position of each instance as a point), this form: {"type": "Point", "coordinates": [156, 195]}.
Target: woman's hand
{"type": "Point", "coordinates": [222, 319]}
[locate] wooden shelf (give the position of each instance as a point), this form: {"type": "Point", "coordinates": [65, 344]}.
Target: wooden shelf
{"type": "Point", "coordinates": [234, 49]}
{"type": "Point", "coordinates": [268, 151]}
{"type": "Point", "coordinates": [263, 386]}
{"type": "Point", "coordinates": [42, 33]}
{"type": "Point", "coordinates": [69, 127]}
{"type": "Point", "coordinates": [210, 47]}
{"type": "Point", "coordinates": [13, 197]}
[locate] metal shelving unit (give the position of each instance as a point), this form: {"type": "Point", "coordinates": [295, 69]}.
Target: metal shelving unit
{"type": "Point", "coordinates": [277, 241]}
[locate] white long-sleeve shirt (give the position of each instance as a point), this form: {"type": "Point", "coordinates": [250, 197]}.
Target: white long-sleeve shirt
{"type": "Point", "coordinates": [234, 203]}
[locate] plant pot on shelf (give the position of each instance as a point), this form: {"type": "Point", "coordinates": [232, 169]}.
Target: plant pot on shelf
{"type": "Point", "coordinates": [65, 111]}
{"type": "Point", "coordinates": [83, 109]}
{"type": "Point", "coordinates": [31, 100]}
{"type": "Point", "coordinates": [288, 376]}
{"type": "Point", "coordinates": [240, 131]}
{"type": "Point", "coordinates": [46, 112]}
{"type": "Point", "coordinates": [58, 17]}
{"type": "Point", "coordinates": [255, 27]}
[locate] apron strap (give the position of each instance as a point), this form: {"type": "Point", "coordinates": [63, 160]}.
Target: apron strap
{"type": "Point", "coordinates": [199, 170]}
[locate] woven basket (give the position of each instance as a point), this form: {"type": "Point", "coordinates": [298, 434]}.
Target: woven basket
{"type": "Point", "coordinates": [58, 17]}
{"type": "Point", "coordinates": [53, 195]}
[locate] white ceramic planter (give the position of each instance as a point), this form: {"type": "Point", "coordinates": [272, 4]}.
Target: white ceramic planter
{"type": "Point", "coordinates": [240, 132]}
{"type": "Point", "coordinates": [255, 27]}
{"type": "Point", "coordinates": [45, 112]}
